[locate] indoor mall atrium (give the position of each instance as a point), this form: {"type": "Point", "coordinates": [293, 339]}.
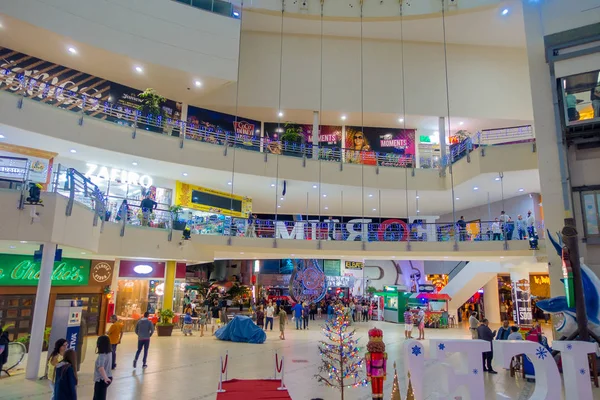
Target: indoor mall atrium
{"type": "Point", "coordinates": [300, 199]}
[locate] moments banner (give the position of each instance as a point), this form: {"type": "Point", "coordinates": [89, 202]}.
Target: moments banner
{"type": "Point", "coordinates": [65, 88]}
{"type": "Point", "coordinates": [389, 146]}
{"type": "Point", "coordinates": [247, 131]}
{"type": "Point", "coordinates": [329, 136]}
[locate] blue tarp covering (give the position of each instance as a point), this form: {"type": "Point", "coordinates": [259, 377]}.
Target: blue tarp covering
{"type": "Point", "coordinates": [241, 329]}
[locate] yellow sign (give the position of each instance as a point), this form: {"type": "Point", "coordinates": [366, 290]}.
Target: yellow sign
{"type": "Point", "coordinates": [541, 280]}
{"type": "Point", "coordinates": [354, 265]}
{"type": "Point", "coordinates": [210, 200]}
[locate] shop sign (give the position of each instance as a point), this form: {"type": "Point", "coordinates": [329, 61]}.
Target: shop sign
{"type": "Point", "coordinates": [541, 280]}
{"type": "Point", "coordinates": [141, 269]}
{"type": "Point", "coordinates": [18, 270]}
{"type": "Point", "coordinates": [118, 175]}
{"type": "Point", "coordinates": [340, 281]}
{"type": "Point", "coordinates": [426, 288]}
{"type": "Point", "coordinates": [354, 265]}
{"type": "Point", "coordinates": [101, 271]}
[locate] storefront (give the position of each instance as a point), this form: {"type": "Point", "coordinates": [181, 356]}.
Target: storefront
{"type": "Point", "coordinates": [395, 299]}
{"type": "Point", "coordinates": [14, 161]}
{"type": "Point", "coordinates": [141, 288]}
{"type": "Point", "coordinates": [119, 185]}
{"type": "Point", "coordinates": [86, 280]}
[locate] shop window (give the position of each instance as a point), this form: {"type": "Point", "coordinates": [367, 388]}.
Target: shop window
{"type": "Point", "coordinates": [581, 97]}
{"type": "Point", "coordinates": [590, 204]}
{"type": "Point", "coordinates": [26, 312]}
{"type": "Point", "coordinates": [136, 296]}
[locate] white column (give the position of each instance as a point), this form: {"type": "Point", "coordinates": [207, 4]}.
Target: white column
{"type": "Point", "coordinates": [184, 112]}
{"type": "Point", "coordinates": [114, 284]}
{"type": "Point", "coordinates": [343, 142]}
{"type": "Point", "coordinates": [491, 301]}
{"type": "Point", "coordinates": [40, 312]}
{"type": "Point", "coordinates": [315, 135]}
{"type": "Point", "coordinates": [520, 284]}
{"type": "Point", "coordinates": [547, 141]}
{"type": "Point", "coordinates": [262, 136]}
{"type": "Point", "coordinates": [417, 153]}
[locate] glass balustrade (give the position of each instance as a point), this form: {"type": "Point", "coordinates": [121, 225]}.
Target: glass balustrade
{"type": "Point", "coordinates": [580, 95]}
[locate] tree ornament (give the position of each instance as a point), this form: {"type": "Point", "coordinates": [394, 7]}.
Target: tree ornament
{"type": "Point", "coordinates": [395, 387]}
{"type": "Point", "coordinates": [410, 395]}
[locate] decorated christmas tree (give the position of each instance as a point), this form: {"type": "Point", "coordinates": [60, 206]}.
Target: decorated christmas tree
{"type": "Point", "coordinates": [395, 386]}
{"type": "Point", "coordinates": [342, 362]}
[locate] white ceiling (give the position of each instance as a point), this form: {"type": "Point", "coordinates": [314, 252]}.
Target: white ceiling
{"type": "Point", "coordinates": [325, 199]}
{"type": "Point", "coordinates": [484, 26]}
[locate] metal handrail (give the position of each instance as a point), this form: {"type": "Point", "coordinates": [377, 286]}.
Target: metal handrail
{"type": "Point", "coordinates": [94, 107]}
{"type": "Point", "coordinates": [78, 183]}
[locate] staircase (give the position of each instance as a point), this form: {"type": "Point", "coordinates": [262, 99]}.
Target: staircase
{"type": "Point", "coordinates": [466, 279]}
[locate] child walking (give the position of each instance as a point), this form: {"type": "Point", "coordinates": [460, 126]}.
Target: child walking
{"type": "Point", "coordinates": [102, 368]}
{"type": "Point", "coordinates": [282, 322]}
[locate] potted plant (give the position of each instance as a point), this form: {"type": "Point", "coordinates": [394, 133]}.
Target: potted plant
{"type": "Point", "coordinates": [165, 325]}
{"type": "Point", "coordinates": [175, 210]}
{"type": "Point", "coordinates": [152, 109]}
{"type": "Point", "coordinates": [291, 139]}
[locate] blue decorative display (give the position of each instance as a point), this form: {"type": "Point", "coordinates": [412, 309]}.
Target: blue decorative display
{"type": "Point", "coordinates": [308, 282]}
{"type": "Point", "coordinates": [541, 353]}
{"type": "Point", "coordinates": [442, 346]}
{"type": "Point", "coordinates": [416, 350]}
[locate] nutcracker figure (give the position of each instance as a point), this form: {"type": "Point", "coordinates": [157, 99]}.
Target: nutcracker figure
{"type": "Point", "coordinates": [376, 360]}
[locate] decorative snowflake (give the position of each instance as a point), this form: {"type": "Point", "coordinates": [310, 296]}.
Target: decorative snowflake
{"type": "Point", "coordinates": [569, 347]}
{"type": "Point", "coordinates": [416, 350]}
{"type": "Point", "coordinates": [541, 353]}
{"type": "Point", "coordinates": [475, 371]}
{"type": "Point", "coordinates": [582, 371]}
{"type": "Point", "coordinates": [442, 346]}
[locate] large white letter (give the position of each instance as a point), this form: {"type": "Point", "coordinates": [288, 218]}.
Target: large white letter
{"type": "Point", "coordinates": [547, 377]}
{"type": "Point", "coordinates": [414, 361]}
{"type": "Point", "coordinates": [363, 233]}
{"type": "Point", "coordinates": [281, 231]}
{"type": "Point", "coordinates": [470, 371]}
{"type": "Point", "coordinates": [575, 365]}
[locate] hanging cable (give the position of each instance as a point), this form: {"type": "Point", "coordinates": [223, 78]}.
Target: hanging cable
{"type": "Point", "coordinates": [449, 124]}
{"type": "Point", "coordinates": [404, 111]}
{"type": "Point", "coordinates": [279, 112]}
{"type": "Point", "coordinates": [235, 122]}
{"type": "Point", "coordinates": [362, 123]}
{"type": "Point", "coordinates": [320, 110]}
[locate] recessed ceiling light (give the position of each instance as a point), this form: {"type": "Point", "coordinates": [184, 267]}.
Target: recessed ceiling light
{"type": "Point", "coordinates": [280, 114]}
{"type": "Point", "coordinates": [198, 83]}
{"type": "Point", "coordinates": [257, 131]}
{"type": "Point", "coordinates": [272, 185]}
{"type": "Point", "coordinates": [236, 14]}
{"type": "Point", "coordinates": [241, 252]}
{"type": "Point", "coordinates": [458, 198]}
{"type": "Point", "coordinates": [417, 211]}
{"type": "Point", "coordinates": [185, 174]}
{"type": "Point", "coordinates": [23, 241]}
{"type": "Point", "coordinates": [400, 120]}
{"type": "Point", "coordinates": [12, 247]}
{"type": "Point", "coordinates": [292, 255]}
{"type": "Point", "coordinates": [327, 208]}
{"type": "Point", "coordinates": [475, 188]}
{"type": "Point", "coordinates": [83, 252]}
{"type": "Point", "coordinates": [73, 151]}
{"type": "Point", "coordinates": [446, 257]}
{"type": "Point", "coordinates": [1, 136]}
{"type": "Point", "coordinates": [229, 183]}
{"type": "Point", "coordinates": [417, 196]}
{"type": "Point", "coordinates": [314, 186]}
{"type": "Point", "coordinates": [521, 190]}
{"type": "Point", "coordinates": [505, 11]}
{"type": "Point", "coordinates": [324, 195]}
{"type": "Point", "coordinates": [501, 256]}
{"type": "Point", "coordinates": [374, 209]}
{"type": "Point", "coordinates": [370, 195]}
{"type": "Point", "coordinates": [281, 199]}
{"type": "Point", "coordinates": [278, 206]}
{"type": "Point", "coordinates": [461, 123]}
{"type": "Point", "coordinates": [343, 117]}
{"type": "Point", "coordinates": [72, 50]}
{"type": "Point", "coordinates": [134, 164]}
{"type": "Point", "coordinates": [139, 69]}
{"type": "Point", "coordinates": [497, 178]}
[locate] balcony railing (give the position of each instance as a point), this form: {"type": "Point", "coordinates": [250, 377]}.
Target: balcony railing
{"type": "Point", "coordinates": [90, 106]}
{"type": "Point", "coordinates": [220, 7]}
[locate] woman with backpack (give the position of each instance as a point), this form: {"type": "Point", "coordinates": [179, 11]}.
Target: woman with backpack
{"type": "Point", "coordinates": [65, 380]}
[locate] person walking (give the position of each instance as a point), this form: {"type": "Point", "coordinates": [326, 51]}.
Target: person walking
{"type": "Point", "coordinates": [55, 357]}
{"type": "Point", "coordinates": [473, 324]}
{"type": "Point", "coordinates": [282, 322]}
{"type": "Point", "coordinates": [462, 228]}
{"type": "Point", "coordinates": [485, 333]}
{"type": "Point", "coordinates": [65, 382]}
{"type": "Point", "coordinates": [408, 323]}
{"type": "Point", "coordinates": [115, 334]}
{"type": "Point", "coordinates": [521, 227]}
{"type": "Point", "coordinates": [215, 311]}
{"type": "Point", "coordinates": [260, 317]}
{"type": "Point", "coordinates": [504, 331]}
{"type": "Point", "coordinates": [297, 313]}
{"type": "Point", "coordinates": [313, 311]}
{"type": "Point", "coordinates": [102, 367]}
{"type": "Point", "coordinates": [270, 315]}
{"type": "Point", "coordinates": [144, 330]}
{"type": "Point", "coordinates": [496, 230]}
{"type": "Point", "coordinates": [421, 323]}
{"type": "Point", "coordinates": [530, 225]}
{"type": "Point", "coordinates": [503, 311]}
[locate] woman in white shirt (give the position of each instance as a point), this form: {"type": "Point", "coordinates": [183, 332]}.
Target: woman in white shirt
{"type": "Point", "coordinates": [496, 230]}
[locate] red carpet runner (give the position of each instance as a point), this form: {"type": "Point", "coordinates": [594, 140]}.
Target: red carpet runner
{"type": "Point", "coordinates": [258, 389]}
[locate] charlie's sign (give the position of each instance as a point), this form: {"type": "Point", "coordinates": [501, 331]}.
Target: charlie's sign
{"type": "Point", "coordinates": [17, 270]}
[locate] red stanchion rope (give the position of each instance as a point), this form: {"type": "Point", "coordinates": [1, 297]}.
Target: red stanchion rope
{"type": "Point", "coordinates": [224, 367]}
{"type": "Point", "coordinates": [278, 364]}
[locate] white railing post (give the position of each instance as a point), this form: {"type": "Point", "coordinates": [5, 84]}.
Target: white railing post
{"type": "Point", "coordinates": [282, 387]}
{"type": "Point", "coordinates": [220, 388]}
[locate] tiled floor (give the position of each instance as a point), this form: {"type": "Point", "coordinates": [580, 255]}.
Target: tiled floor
{"type": "Point", "coordinates": [182, 368]}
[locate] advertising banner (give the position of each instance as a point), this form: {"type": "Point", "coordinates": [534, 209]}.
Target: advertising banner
{"type": "Point", "coordinates": [211, 200]}
{"type": "Point", "coordinates": [247, 131]}
{"type": "Point", "coordinates": [329, 137]}
{"type": "Point", "coordinates": [21, 270]}
{"type": "Point", "coordinates": [397, 146]}
{"type": "Point", "coordinates": [66, 88]}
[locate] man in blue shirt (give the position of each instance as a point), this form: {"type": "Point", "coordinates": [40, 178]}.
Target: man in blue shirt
{"type": "Point", "coordinates": [297, 310]}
